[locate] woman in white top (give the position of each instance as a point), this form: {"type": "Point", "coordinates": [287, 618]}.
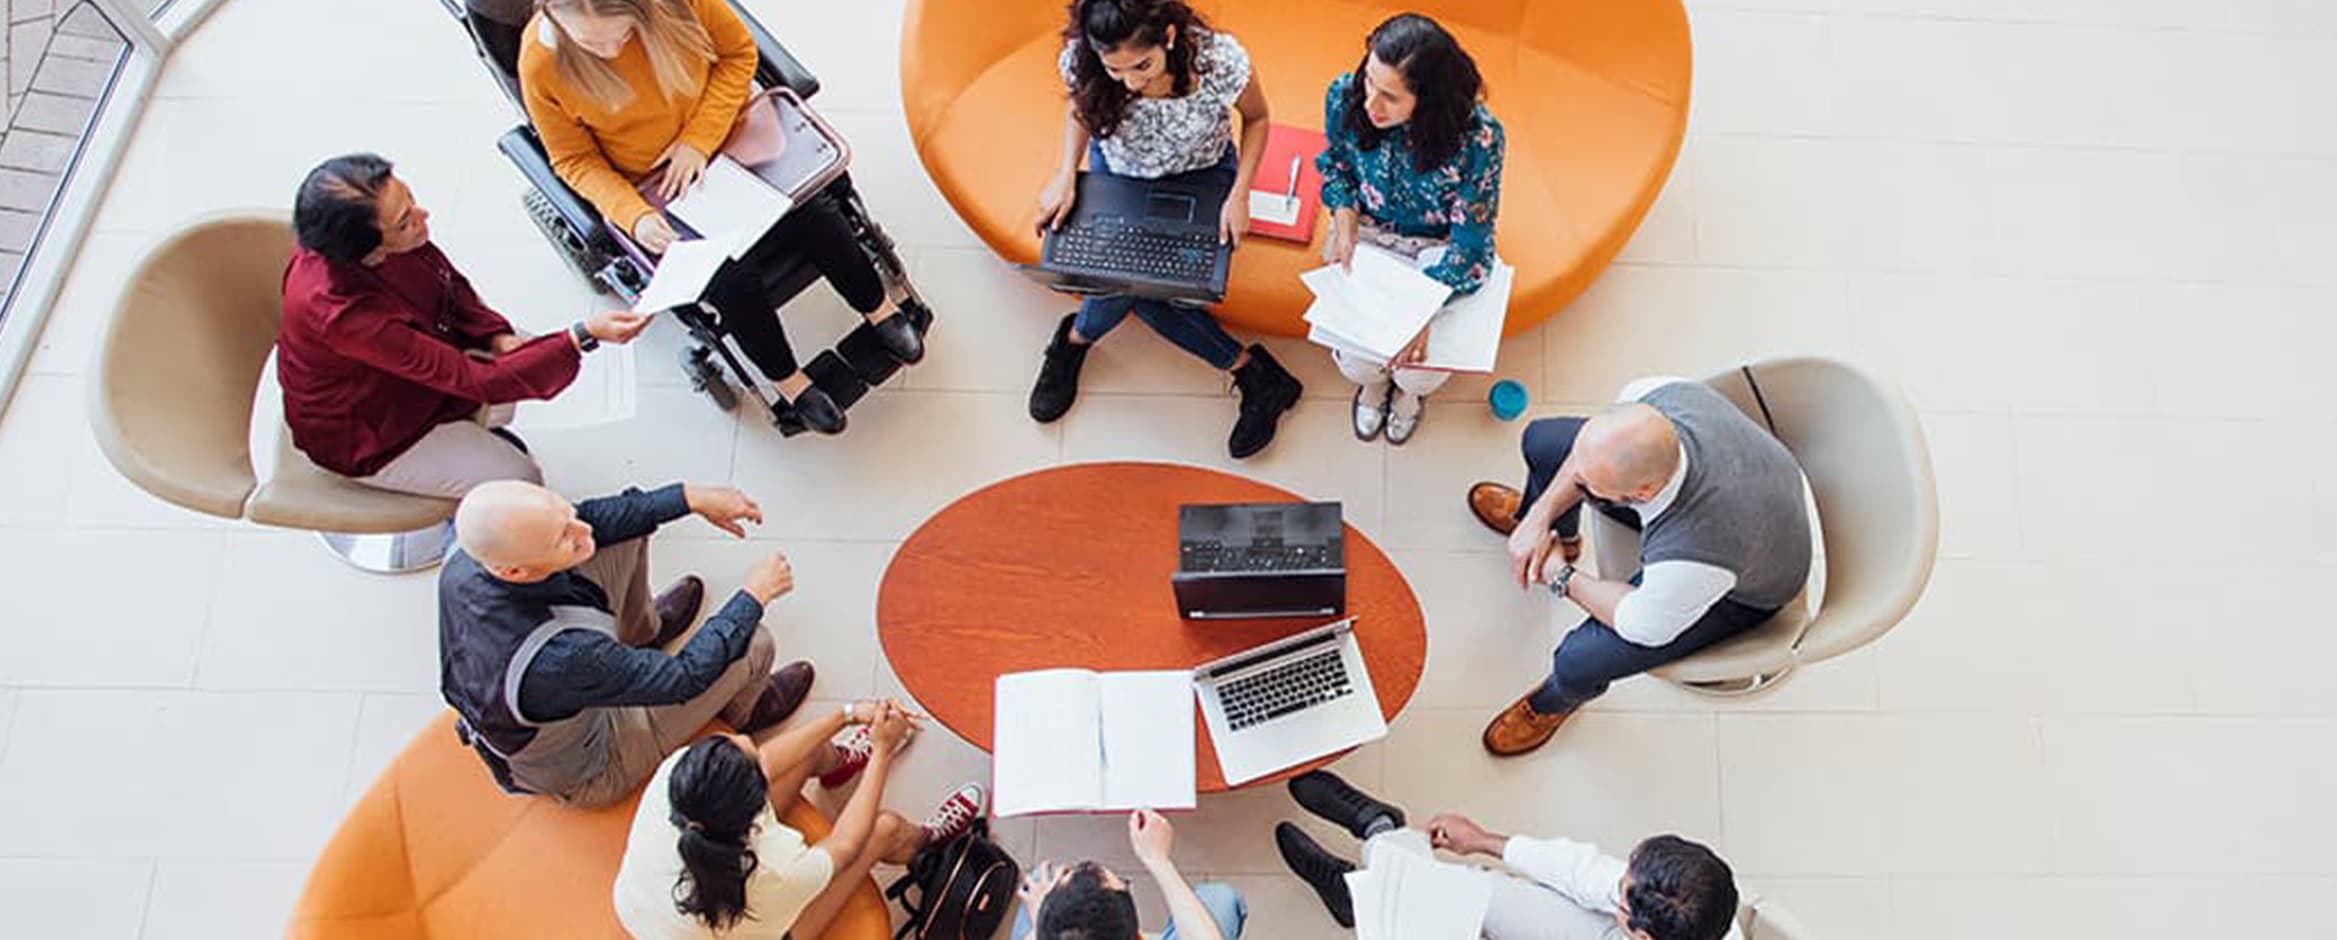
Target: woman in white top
{"type": "Point", "coordinates": [708, 856]}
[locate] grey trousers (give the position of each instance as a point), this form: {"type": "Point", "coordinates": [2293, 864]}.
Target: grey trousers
{"type": "Point", "coordinates": [641, 737]}
{"type": "Point", "coordinates": [456, 456]}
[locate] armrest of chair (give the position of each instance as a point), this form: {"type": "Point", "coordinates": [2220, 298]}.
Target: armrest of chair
{"type": "Point", "coordinates": [779, 66]}
{"type": "Point", "coordinates": [526, 152]}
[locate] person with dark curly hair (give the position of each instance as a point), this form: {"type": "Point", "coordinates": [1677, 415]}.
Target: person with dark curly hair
{"type": "Point", "coordinates": [1153, 91]}
{"type": "Point", "coordinates": [1412, 166]}
{"type": "Point", "coordinates": [1555, 889]}
{"type": "Point", "coordinates": [1087, 901]}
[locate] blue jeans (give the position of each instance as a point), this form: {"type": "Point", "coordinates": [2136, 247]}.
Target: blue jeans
{"type": "Point", "coordinates": [1226, 906]}
{"type": "Point", "coordinates": [1192, 329]}
{"type": "Point", "coordinates": [1593, 655]}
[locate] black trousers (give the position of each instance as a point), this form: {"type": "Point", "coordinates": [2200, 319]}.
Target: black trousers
{"type": "Point", "coordinates": [747, 303]}
{"type": "Point", "coordinates": [1593, 655]}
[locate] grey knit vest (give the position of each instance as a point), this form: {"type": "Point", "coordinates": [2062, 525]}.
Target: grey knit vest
{"type": "Point", "coordinates": [1740, 507]}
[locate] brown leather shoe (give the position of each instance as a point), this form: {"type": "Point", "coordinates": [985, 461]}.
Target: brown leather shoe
{"type": "Point", "coordinates": [677, 607]}
{"type": "Point", "coordinates": [1496, 506]}
{"type": "Point", "coordinates": [786, 692]}
{"type": "Point", "coordinates": [1519, 729]}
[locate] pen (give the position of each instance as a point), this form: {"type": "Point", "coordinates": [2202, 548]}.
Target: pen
{"type": "Point", "coordinates": [1290, 195]}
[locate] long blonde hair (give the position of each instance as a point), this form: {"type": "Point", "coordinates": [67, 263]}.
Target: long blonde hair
{"type": "Point", "coordinates": [668, 30]}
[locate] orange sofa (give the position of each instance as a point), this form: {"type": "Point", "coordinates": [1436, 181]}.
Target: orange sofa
{"type": "Point", "coordinates": [1593, 95]}
{"type": "Point", "coordinates": [435, 850]}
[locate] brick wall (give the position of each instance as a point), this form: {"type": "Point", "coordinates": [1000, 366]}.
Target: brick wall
{"type": "Point", "coordinates": [58, 56]}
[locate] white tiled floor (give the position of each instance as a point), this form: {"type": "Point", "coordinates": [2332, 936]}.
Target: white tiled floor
{"type": "Point", "coordinates": [2096, 240]}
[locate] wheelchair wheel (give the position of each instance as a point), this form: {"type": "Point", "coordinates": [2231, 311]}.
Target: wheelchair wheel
{"type": "Point", "coordinates": [707, 378]}
{"type": "Point", "coordinates": [581, 256]}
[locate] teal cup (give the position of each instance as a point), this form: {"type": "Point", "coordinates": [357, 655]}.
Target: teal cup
{"type": "Point", "coordinates": [1508, 399]}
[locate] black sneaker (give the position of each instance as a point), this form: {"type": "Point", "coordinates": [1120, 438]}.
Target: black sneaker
{"type": "Point", "coordinates": [1058, 384]}
{"type": "Point", "coordinates": [1328, 797]}
{"type": "Point", "coordinates": [818, 411]}
{"type": "Point", "coordinates": [1322, 871]}
{"type": "Point", "coordinates": [1267, 391]}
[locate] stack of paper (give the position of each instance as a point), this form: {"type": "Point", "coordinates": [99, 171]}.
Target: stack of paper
{"type": "Point", "coordinates": [730, 208]}
{"type": "Point", "coordinates": [1362, 311]}
{"type": "Point", "coordinates": [1071, 740]}
{"type": "Point", "coordinates": [1404, 896]}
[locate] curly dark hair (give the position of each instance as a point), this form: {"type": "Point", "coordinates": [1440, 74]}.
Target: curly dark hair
{"type": "Point", "coordinates": [1680, 891]}
{"type": "Point", "coordinates": [1436, 69]}
{"type": "Point", "coordinates": [1099, 26]}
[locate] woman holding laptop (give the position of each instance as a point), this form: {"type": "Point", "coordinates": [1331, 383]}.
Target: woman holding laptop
{"type": "Point", "coordinates": [1153, 92]}
{"type": "Point", "coordinates": [1412, 166]}
{"type": "Point", "coordinates": [636, 96]}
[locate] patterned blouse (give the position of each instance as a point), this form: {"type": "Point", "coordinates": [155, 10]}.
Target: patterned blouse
{"type": "Point", "coordinates": [1456, 201]}
{"type": "Point", "coordinates": [1166, 136]}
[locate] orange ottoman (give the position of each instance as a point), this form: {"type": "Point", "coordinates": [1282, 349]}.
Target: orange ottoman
{"type": "Point", "coordinates": [435, 850]}
{"type": "Point", "coordinates": [1592, 93]}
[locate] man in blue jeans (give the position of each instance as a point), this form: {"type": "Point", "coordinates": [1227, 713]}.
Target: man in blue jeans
{"type": "Point", "coordinates": [1087, 901]}
{"type": "Point", "coordinates": [1724, 539]}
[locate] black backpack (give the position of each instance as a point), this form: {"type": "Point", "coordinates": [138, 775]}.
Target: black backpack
{"type": "Point", "coordinates": [964, 887]}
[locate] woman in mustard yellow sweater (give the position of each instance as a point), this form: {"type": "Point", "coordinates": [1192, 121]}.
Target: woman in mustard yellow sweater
{"type": "Point", "coordinates": [631, 91]}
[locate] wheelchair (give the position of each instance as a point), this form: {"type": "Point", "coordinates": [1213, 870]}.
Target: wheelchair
{"type": "Point", "coordinates": [608, 259]}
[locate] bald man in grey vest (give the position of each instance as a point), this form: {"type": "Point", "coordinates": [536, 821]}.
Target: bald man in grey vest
{"type": "Point", "coordinates": [1724, 539]}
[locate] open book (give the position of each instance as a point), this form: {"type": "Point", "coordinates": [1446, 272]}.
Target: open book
{"type": "Point", "coordinates": [1071, 740]}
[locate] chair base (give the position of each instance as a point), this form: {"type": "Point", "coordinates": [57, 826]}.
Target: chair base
{"type": "Point", "coordinates": [1735, 688]}
{"type": "Point", "coordinates": [395, 552]}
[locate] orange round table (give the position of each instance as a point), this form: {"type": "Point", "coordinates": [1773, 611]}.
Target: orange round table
{"type": "Point", "coordinates": [1070, 567]}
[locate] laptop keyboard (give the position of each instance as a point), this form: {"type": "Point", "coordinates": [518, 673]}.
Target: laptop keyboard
{"type": "Point", "coordinates": [1189, 257]}
{"type": "Point", "coordinates": [1210, 556]}
{"type": "Point", "coordinates": [1293, 686]}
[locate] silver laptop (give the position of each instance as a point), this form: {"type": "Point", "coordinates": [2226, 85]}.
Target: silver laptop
{"type": "Point", "coordinates": [1284, 703]}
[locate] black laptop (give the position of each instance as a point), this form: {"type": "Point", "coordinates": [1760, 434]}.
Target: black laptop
{"type": "Point", "coordinates": [1148, 238]}
{"type": "Point", "coordinates": [1238, 561]}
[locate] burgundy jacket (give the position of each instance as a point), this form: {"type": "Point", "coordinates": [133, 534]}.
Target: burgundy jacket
{"type": "Point", "coordinates": [372, 358]}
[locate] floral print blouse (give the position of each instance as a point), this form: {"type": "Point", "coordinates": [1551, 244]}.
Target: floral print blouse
{"type": "Point", "coordinates": [1166, 136]}
{"type": "Point", "coordinates": [1456, 201]}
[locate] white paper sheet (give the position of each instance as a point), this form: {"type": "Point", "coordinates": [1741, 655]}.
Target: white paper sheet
{"type": "Point", "coordinates": [1048, 742]}
{"type": "Point", "coordinates": [1274, 208]}
{"type": "Point", "coordinates": [730, 205]}
{"type": "Point", "coordinates": [1403, 896]}
{"type": "Point", "coordinates": [1148, 740]}
{"type": "Point", "coordinates": [682, 275]}
{"type": "Point", "coordinates": [1380, 302]}
{"type": "Point", "coordinates": [1466, 335]}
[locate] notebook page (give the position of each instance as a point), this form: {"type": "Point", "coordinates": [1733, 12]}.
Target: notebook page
{"type": "Point", "coordinates": [1048, 743]}
{"type": "Point", "coordinates": [731, 205]}
{"type": "Point", "coordinates": [682, 275]}
{"type": "Point", "coordinates": [1466, 335]}
{"type": "Point", "coordinates": [1148, 740]}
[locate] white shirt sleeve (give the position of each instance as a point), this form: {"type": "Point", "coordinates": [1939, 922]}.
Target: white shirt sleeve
{"type": "Point", "coordinates": [1671, 597]}
{"type": "Point", "coordinates": [1638, 388]}
{"type": "Point", "coordinates": [1592, 879]}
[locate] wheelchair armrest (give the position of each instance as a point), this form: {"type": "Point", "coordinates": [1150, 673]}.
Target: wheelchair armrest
{"type": "Point", "coordinates": [527, 153]}
{"type": "Point", "coordinates": [779, 66]}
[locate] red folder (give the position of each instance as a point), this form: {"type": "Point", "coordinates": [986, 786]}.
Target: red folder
{"type": "Point", "coordinates": [1279, 175]}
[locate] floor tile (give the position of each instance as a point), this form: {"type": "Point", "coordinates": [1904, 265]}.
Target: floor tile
{"type": "Point", "coordinates": [207, 900]}
{"type": "Point", "coordinates": [39, 433]}
{"type": "Point", "coordinates": [1612, 779]}
{"type": "Point", "coordinates": [2023, 908]}
{"type": "Point", "coordinates": [2251, 678]}
{"type": "Point", "coordinates": [1640, 321]}
{"type": "Point", "coordinates": [865, 484]}
{"type": "Point", "coordinates": [990, 325]}
{"type": "Point", "coordinates": [2071, 507]}
{"type": "Point", "coordinates": [69, 339]}
{"type": "Point", "coordinates": [350, 630]}
{"type": "Point", "coordinates": [80, 772]}
{"type": "Point", "coordinates": [1488, 640]}
{"type": "Point", "coordinates": [1978, 485]}
{"type": "Point", "coordinates": [1802, 203]}
{"type": "Point", "coordinates": [1193, 431]}
{"type": "Point", "coordinates": [830, 617]}
{"type": "Point", "coordinates": [677, 435]}
{"type": "Point", "coordinates": [2087, 643]}
{"type": "Point", "coordinates": [854, 49]}
{"type": "Point", "coordinates": [2109, 774]}
{"type": "Point", "coordinates": [148, 636]}
{"type": "Point", "coordinates": [1428, 486]}
{"type": "Point", "coordinates": [1830, 907]}
{"type": "Point", "coordinates": [1668, 233]}
{"type": "Point", "coordinates": [1761, 72]}
{"type": "Point", "coordinates": [1811, 795]}
{"type": "Point", "coordinates": [77, 898]}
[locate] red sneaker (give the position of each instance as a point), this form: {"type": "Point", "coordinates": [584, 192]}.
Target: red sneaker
{"type": "Point", "coordinates": [956, 814]}
{"type": "Point", "coordinates": [854, 750]}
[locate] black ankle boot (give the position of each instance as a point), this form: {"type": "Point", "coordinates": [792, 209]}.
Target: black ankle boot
{"type": "Point", "coordinates": [1322, 871]}
{"type": "Point", "coordinates": [1058, 384]}
{"type": "Point", "coordinates": [1327, 796]}
{"type": "Point", "coordinates": [1267, 391]}
{"type": "Point", "coordinates": [818, 411]}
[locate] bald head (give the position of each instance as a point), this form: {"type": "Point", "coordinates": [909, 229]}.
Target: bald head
{"type": "Point", "coordinates": [519, 530]}
{"type": "Point", "coordinates": [1628, 452]}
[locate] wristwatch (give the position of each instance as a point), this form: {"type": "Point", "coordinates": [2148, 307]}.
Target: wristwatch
{"type": "Point", "coordinates": [585, 341]}
{"type": "Point", "coordinates": [1559, 583]}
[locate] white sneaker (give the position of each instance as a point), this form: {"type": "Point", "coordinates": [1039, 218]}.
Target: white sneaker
{"type": "Point", "coordinates": [1371, 410]}
{"type": "Point", "coordinates": [1404, 411]}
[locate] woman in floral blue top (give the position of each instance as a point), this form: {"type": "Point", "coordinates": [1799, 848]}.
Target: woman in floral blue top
{"type": "Point", "coordinates": [1413, 166]}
